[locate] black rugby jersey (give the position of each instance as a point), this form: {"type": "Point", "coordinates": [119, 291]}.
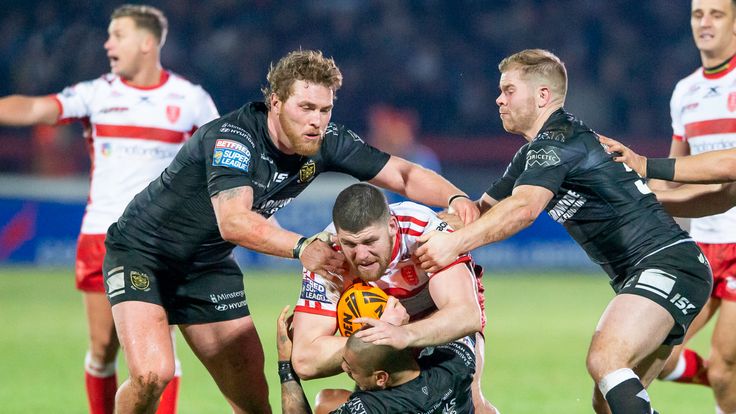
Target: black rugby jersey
{"type": "Point", "coordinates": [174, 216]}
{"type": "Point", "coordinates": [604, 205]}
{"type": "Point", "coordinates": [443, 386]}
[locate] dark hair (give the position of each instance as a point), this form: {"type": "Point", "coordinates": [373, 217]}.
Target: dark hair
{"type": "Point", "coordinates": [305, 65]}
{"type": "Point", "coordinates": [359, 206]}
{"type": "Point", "coordinates": [372, 357]}
{"type": "Point", "coordinates": [145, 17]}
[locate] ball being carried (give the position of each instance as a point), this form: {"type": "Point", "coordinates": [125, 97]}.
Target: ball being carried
{"type": "Point", "coordinates": [360, 300]}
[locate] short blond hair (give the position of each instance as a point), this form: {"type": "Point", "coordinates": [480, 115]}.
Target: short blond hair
{"type": "Point", "coordinates": [540, 64]}
{"type": "Point", "coordinates": [145, 17]}
{"type": "Point", "coordinates": [304, 65]}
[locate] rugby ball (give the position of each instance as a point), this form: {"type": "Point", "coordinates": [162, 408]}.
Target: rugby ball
{"type": "Point", "coordinates": [360, 300]}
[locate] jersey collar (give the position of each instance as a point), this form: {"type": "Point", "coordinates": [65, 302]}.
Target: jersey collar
{"type": "Point", "coordinates": [164, 77]}
{"type": "Point", "coordinates": [721, 70]}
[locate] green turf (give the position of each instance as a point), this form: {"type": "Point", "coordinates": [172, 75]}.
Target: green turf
{"type": "Point", "coordinates": [538, 332]}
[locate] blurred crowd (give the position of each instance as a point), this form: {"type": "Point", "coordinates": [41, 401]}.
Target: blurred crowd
{"type": "Point", "coordinates": [436, 58]}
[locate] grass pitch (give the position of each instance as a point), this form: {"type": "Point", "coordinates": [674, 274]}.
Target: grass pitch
{"type": "Point", "coordinates": [538, 331]}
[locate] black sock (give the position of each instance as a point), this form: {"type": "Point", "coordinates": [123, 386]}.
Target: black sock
{"type": "Point", "coordinates": [629, 397]}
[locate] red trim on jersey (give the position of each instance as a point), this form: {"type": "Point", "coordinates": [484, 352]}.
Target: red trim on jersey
{"type": "Point", "coordinates": [58, 105]}
{"type": "Point", "coordinates": [713, 126]}
{"type": "Point", "coordinates": [400, 293]}
{"type": "Point", "coordinates": [678, 138]}
{"type": "Point", "coordinates": [461, 259]}
{"type": "Point", "coordinates": [323, 312]}
{"type": "Point", "coordinates": [397, 243]}
{"type": "Point", "coordinates": [412, 220]}
{"type": "Point", "coordinates": [722, 72]}
{"type": "Point", "coordinates": [162, 79]}
{"type": "Point", "coordinates": [409, 231]}
{"type": "Point", "coordinates": [128, 131]}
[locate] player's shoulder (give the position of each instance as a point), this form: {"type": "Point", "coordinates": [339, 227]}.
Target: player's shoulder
{"type": "Point", "coordinates": [180, 81]}
{"type": "Point", "coordinates": [335, 130]}
{"type": "Point", "coordinates": [688, 82]}
{"type": "Point", "coordinates": [408, 210]}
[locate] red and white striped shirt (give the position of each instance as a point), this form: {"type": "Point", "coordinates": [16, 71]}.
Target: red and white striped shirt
{"type": "Point", "coordinates": [133, 134]}
{"type": "Point", "coordinates": [703, 110]}
{"type": "Point", "coordinates": [403, 279]}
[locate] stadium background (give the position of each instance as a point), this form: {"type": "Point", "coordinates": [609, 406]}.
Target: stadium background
{"type": "Point", "coordinates": [434, 58]}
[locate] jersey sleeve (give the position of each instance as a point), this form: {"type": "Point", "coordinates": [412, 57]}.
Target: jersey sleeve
{"type": "Point", "coordinates": [502, 187]}
{"type": "Point", "coordinates": [76, 100]}
{"type": "Point", "coordinates": [228, 159]}
{"type": "Point", "coordinates": [548, 162]}
{"type": "Point", "coordinates": [206, 110]}
{"type": "Point", "coordinates": [318, 296]}
{"type": "Point", "coordinates": [345, 152]}
{"type": "Point", "coordinates": [678, 129]}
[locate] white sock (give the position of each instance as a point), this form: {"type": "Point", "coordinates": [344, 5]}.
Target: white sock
{"type": "Point", "coordinates": [614, 378]}
{"type": "Point", "coordinates": [679, 369]}
{"type": "Point", "coordinates": [98, 369]}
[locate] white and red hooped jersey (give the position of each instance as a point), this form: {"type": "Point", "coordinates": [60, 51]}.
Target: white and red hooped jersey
{"type": "Point", "coordinates": [133, 134]}
{"type": "Point", "coordinates": [404, 279]}
{"type": "Point", "coordinates": [703, 109]}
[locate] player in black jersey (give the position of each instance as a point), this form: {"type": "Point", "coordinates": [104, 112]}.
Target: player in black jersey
{"type": "Point", "coordinates": [660, 276]}
{"type": "Point", "coordinates": [390, 381]}
{"type": "Point", "coordinates": [169, 256]}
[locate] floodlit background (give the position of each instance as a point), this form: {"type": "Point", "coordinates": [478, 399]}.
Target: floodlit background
{"type": "Point", "coordinates": [420, 80]}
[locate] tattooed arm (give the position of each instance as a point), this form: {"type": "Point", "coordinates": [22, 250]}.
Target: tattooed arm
{"type": "Point", "coordinates": [240, 225]}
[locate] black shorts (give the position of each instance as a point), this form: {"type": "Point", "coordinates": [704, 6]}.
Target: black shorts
{"type": "Point", "coordinates": [678, 278]}
{"type": "Point", "coordinates": [191, 293]}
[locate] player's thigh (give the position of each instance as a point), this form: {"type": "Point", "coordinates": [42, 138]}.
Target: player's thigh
{"type": "Point", "coordinates": [723, 342]}
{"type": "Point", "coordinates": [631, 328]}
{"type": "Point", "coordinates": [233, 354]}
{"type": "Point", "coordinates": [144, 333]}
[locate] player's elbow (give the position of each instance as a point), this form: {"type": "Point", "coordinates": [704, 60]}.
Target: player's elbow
{"type": "Point", "coordinates": [304, 365]}
{"type": "Point", "coordinates": [228, 230]}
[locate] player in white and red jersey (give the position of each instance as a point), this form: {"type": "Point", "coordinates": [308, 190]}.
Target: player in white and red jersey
{"type": "Point", "coordinates": [703, 109]}
{"type": "Point", "coordinates": [136, 118]}
{"type": "Point", "coordinates": [378, 241]}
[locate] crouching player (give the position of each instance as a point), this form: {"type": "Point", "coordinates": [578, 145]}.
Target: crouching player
{"type": "Point", "coordinates": [378, 242]}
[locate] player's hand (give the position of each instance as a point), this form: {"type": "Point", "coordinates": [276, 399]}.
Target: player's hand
{"type": "Point", "coordinates": [284, 334]}
{"type": "Point", "coordinates": [452, 219]}
{"type": "Point", "coordinates": [622, 153]}
{"type": "Point", "coordinates": [395, 313]}
{"type": "Point", "coordinates": [464, 208]}
{"type": "Point", "coordinates": [319, 257]}
{"type": "Point", "coordinates": [438, 250]}
{"type": "Point", "coordinates": [381, 332]}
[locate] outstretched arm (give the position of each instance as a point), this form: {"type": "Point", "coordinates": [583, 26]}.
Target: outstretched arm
{"type": "Point", "coordinates": [707, 167]}
{"type": "Point", "coordinates": [503, 220]}
{"type": "Point", "coordinates": [20, 110]}
{"type": "Point", "coordinates": [425, 186]}
{"type": "Point", "coordinates": [293, 400]}
{"type": "Point", "coordinates": [698, 200]}
{"type": "Point", "coordinates": [239, 225]}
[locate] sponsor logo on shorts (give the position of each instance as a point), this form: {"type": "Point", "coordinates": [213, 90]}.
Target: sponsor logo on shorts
{"type": "Point", "coordinates": [661, 284]}
{"type": "Point", "coordinates": [115, 282]}
{"type": "Point", "coordinates": [218, 297]}
{"type": "Point", "coordinates": [231, 154]}
{"type": "Point", "coordinates": [140, 281]}
{"type": "Point", "coordinates": [230, 306]}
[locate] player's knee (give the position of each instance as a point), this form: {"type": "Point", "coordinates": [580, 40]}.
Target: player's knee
{"type": "Point", "coordinates": [150, 383]}
{"type": "Point", "coordinates": [721, 370]}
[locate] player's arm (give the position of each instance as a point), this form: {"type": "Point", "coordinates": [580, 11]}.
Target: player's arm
{"type": "Point", "coordinates": [293, 400]}
{"type": "Point", "coordinates": [317, 351]}
{"type": "Point", "coordinates": [458, 314]}
{"type": "Point", "coordinates": [503, 220]}
{"type": "Point", "coordinates": [239, 225]}
{"type": "Point", "coordinates": [698, 200]}
{"type": "Point", "coordinates": [708, 167]}
{"type": "Point", "coordinates": [425, 186]}
{"type": "Point", "coordinates": [678, 148]}
{"type": "Point", "coordinates": [20, 110]}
